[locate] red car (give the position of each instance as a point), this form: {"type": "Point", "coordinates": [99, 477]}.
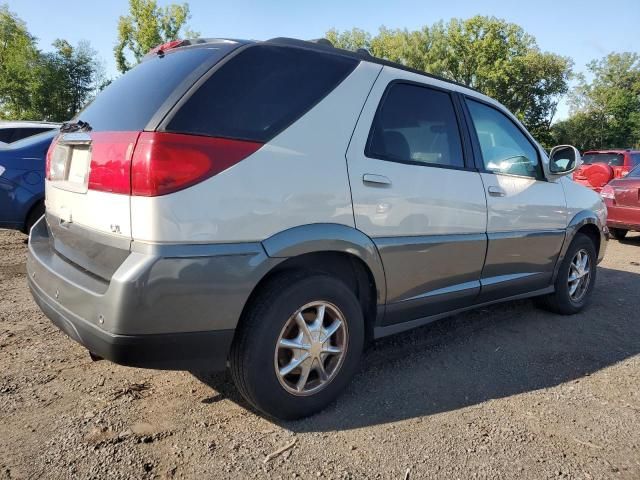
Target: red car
{"type": "Point", "coordinates": [622, 197]}
{"type": "Point", "coordinates": [599, 167]}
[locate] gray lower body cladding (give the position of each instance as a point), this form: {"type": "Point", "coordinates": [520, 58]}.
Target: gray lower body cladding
{"type": "Point", "coordinates": [169, 306]}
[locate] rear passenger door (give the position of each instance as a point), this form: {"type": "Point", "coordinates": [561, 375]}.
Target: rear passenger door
{"type": "Point", "coordinates": [416, 194]}
{"type": "Point", "coordinates": [527, 214]}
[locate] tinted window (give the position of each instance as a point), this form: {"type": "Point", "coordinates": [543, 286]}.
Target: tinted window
{"type": "Point", "coordinates": [20, 133]}
{"type": "Point", "coordinates": [505, 149]}
{"type": "Point", "coordinates": [260, 91]}
{"type": "Point", "coordinates": [416, 124]}
{"type": "Point", "coordinates": [5, 135]}
{"type": "Point", "coordinates": [131, 100]}
{"type": "Point", "coordinates": [635, 159]}
{"type": "Point", "coordinates": [613, 159]}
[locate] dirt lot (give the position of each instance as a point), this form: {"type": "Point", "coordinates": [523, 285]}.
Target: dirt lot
{"type": "Point", "coordinates": [504, 392]}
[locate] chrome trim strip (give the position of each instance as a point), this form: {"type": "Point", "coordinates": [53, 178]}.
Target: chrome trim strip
{"type": "Point", "coordinates": [443, 291]}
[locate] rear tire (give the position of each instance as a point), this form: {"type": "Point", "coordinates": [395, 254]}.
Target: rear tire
{"type": "Point", "coordinates": [576, 278]}
{"type": "Point", "coordinates": [34, 215]}
{"type": "Point", "coordinates": [618, 233]}
{"type": "Point", "coordinates": [263, 353]}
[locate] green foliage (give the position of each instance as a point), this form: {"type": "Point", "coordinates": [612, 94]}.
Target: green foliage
{"type": "Point", "coordinates": [147, 26]}
{"type": "Point", "coordinates": [606, 110]}
{"type": "Point", "coordinates": [43, 86]}
{"type": "Point", "coordinates": [491, 55]}
{"type": "Point", "coordinates": [69, 77]}
{"type": "Point", "coordinates": [19, 58]}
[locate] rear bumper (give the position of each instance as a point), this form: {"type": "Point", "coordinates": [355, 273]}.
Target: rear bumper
{"type": "Point", "coordinates": [169, 306]}
{"type": "Point", "coordinates": [181, 351]}
{"type": "Point", "coordinates": [627, 218]}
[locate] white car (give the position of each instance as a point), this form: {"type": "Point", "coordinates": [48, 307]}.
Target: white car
{"type": "Point", "coordinates": [273, 205]}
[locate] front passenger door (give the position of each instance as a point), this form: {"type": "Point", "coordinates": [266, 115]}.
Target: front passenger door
{"type": "Point", "coordinates": [527, 214]}
{"type": "Point", "coordinates": [417, 196]}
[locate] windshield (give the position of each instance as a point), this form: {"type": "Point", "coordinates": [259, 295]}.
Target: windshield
{"type": "Point", "coordinates": [613, 159]}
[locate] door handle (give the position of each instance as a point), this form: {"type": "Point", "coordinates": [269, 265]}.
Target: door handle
{"type": "Point", "coordinates": [375, 179]}
{"type": "Point", "coordinates": [496, 191]}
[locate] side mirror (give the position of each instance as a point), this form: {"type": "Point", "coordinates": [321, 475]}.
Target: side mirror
{"type": "Point", "coordinates": [563, 160]}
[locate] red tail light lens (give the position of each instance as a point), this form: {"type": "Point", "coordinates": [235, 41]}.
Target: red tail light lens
{"type": "Point", "coordinates": [47, 164]}
{"type": "Point", "coordinates": [608, 192]}
{"type": "Point", "coordinates": [111, 154]}
{"type": "Point", "coordinates": [166, 46]}
{"type": "Point", "coordinates": [167, 162]}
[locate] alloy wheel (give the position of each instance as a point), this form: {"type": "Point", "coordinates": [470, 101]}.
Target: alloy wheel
{"type": "Point", "coordinates": [311, 348]}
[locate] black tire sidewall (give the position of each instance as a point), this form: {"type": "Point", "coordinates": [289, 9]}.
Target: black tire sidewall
{"type": "Point", "coordinates": [618, 233]}
{"type": "Point", "coordinates": [267, 393]}
{"type": "Point", "coordinates": [562, 286]}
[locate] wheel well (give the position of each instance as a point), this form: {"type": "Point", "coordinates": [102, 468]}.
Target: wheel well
{"type": "Point", "coordinates": [591, 231]}
{"type": "Point", "coordinates": [348, 268]}
{"type": "Point", "coordinates": [37, 204]}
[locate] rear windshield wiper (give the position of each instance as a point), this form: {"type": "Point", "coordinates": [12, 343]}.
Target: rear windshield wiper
{"type": "Point", "coordinates": [78, 126]}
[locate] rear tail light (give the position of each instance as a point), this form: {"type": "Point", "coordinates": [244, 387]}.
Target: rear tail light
{"type": "Point", "coordinates": [167, 162]}
{"type": "Point", "coordinates": [111, 154]}
{"type": "Point", "coordinates": [151, 163]}
{"type": "Point", "coordinates": [166, 46]}
{"type": "Point", "coordinates": [608, 192]}
{"type": "Point", "coordinates": [49, 156]}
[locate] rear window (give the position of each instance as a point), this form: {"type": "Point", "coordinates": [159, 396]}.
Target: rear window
{"type": "Point", "coordinates": [613, 159]}
{"type": "Point", "coordinates": [635, 159]}
{"type": "Point", "coordinates": [260, 92]}
{"type": "Point", "coordinates": [635, 173]}
{"type": "Point", "coordinates": [130, 102]}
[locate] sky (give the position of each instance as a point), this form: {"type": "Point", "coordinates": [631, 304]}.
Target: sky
{"type": "Point", "coordinates": [583, 30]}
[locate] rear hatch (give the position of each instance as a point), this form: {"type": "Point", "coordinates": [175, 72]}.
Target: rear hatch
{"type": "Point", "coordinates": [89, 166]}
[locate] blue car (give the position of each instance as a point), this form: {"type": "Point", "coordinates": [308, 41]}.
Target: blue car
{"type": "Point", "coordinates": [22, 166]}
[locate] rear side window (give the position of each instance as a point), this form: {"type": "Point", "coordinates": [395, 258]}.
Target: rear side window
{"type": "Point", "coordinates": [416, 124]}
{"type": "Point", "coordinates": [260, 92]}
{"type": "Point", "coordinates": [505, 149]}
{"type": "Point", "coordinates": [130, 102]}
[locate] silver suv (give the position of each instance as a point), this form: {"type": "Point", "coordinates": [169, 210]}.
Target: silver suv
{"type": "Point", "coordinates": [273, 205]}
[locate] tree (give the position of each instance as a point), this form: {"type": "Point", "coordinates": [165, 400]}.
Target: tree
{"type": "Point", "coordinates": [68, 78]}
{"type": "Point", "coordinates": [606, 110]}
{"type": "Point", "coordinates": [18, 59]}
{"type": "Point", "coordinates": [491, 55]}
{"type": "Point", "coordinates": [43, 86]}
{"type": "Point", "coordinates": [147, 26]}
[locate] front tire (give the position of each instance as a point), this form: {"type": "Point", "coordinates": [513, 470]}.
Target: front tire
{"type": "Point", "coordinates": [576, 278]}
{"type": "Point", "coordinates": [618, 233]}
{"type": "Point", "coordinates": [298, 346]}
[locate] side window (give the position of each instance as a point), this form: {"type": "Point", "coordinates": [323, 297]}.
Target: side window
{"type": "Point", "coordinates": [505, 149]}
{"type": "Point", "coordinates": [418, 125]}
{"type": "Point", "coordinates": [260, 92]}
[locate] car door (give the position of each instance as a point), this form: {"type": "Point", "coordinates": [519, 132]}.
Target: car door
{"type": "Point", "coordinates": [417, 196]}
{"type": "Point", "coordinates": [527, 215]}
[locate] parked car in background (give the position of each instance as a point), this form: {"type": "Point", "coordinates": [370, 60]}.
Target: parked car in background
{"type": "Point", "coordinates": [599, 167]}
{"type": "Point", "coordinates": [22, 165]}
{"type": "Point", "coordinates": [622, 198]}
{"type": "Point", "coordinates": [12, 131]}
{"type": "Point", "coordinates": [273, 205]}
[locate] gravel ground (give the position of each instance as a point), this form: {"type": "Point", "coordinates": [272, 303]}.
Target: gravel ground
{"type": "Point", "coordinates": [503, 392]}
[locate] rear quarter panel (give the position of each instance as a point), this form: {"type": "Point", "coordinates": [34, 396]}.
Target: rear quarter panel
{"type": "Point", "coordinates": [299, 177]}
